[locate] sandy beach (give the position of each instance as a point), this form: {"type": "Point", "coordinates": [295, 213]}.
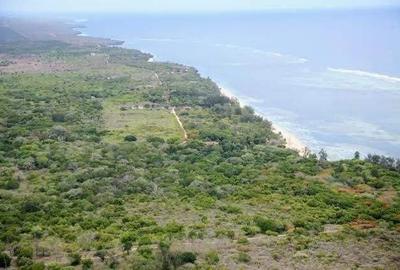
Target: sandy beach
{"type": "Point", "coordinates": [292, 142]}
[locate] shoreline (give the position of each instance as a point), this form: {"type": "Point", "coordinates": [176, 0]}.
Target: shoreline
{"type": "Point", "coordinates": [292, 141]}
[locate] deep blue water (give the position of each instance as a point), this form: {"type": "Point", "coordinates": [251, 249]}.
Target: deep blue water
{"type": "Point", "coordinates": [330, 77]}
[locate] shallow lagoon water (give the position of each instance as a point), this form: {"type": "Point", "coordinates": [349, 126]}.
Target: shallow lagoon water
{"type": "Point", "coordinates": [330, 78]}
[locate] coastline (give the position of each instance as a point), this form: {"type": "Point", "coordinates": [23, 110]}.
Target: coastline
{"type": "Point", "coordinates": [292, 141]}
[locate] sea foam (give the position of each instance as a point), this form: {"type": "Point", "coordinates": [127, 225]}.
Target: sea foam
{"type": "Point", "coordinates": [366, 74]}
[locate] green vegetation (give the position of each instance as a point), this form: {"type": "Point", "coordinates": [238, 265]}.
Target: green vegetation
{"type": "Point", "coordinates": [144, 123]}
{"type": "Point", "coordinates": [243, 257]}
{"type": "Point", "coordinates": [95, 173]}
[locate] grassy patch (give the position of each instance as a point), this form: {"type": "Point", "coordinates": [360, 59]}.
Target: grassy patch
{"type": "Point", "coordinates": [142, 123]}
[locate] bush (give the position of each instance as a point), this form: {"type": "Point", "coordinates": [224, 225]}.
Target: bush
{"type": "Point", "coordinates": [225, 233]}
{"type": "Point", "coordinates": [59, 133]}
{"type": "Point", "coordinates": [204, 201]}
{"type": "Point", "coordinates": [185, 257]}
{"type": "Point", "coordinates": [101, 254]}
{"type": "Point", "coordinates": [127, 240]}
{"type": "Point", "coordinates": [87, 264]}
{"type": "Point", "coordinates": [55, 266]}
{"type": "Point", "coordinates": [30, 206]}
{"type": "Point", "coordinates": [144, 240]}
{"type": "Point", "coordinates": [173, 228]}
{"type": "Point", "coordinates": [23, 251]}
{"type": "Point", "coordinates": [212, 257]}
{"type": "Point", "coordinates": [155, 140]}
{"type": "Point", "coordinates": [5, 260]}
{"type": "Point", "coordinates": [11, 184]}
{"type": "Point", "coordinates": [336, 199]}
{"type": "Point", "coordinates": [130, 138]}
{"type": "Point", "coordinates": [145, 252]}
{"type": "Point", "coordinates": [38, 266]}
{"type": "Point", "coordinates": [58, 117]}
{"type": "Point", "coordinates": [41, 161]}
{"type": "Point", "coordinates": [250, 230]}
{"type": "Point", "coordinates": [376, 183]}
{"type": "Point", "coordinates": [196, 234]}
{"type": "Point", "coordinates": [243, 241]}
{"type": "Point", "coordinates": [231, 209]}
{"type": "Point", "coordinates": [309, 224]}
{"type": "Point", "coordinates": [268, 225]}
{"type": "Point", "coordinates": [75, 259]}
{"type": "Point", "coordinates": [24, 262]}
{"type": "Point", "coordinates": [215, 99]}
{"type": "Point", "coordinates": [243, 257]}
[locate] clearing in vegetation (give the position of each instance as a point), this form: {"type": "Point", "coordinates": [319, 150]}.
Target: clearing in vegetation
{"type": "Point", "coordinates": [142, 123]}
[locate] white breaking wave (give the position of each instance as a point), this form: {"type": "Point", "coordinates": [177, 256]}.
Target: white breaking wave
{"type": "Point", "coordinates": [236, 64]}
{"type": "Point", "coordinates": [81, 20]}
{"type": "Point", "coordinates": [299, 61]}
{"type": "Point", "coordinates": [366, 74]}
{"type": "Point", "coordinates": [160, 39]}
{"type": "Point", "coordinates": [292, 141]}
{"type": "Point", "coordinates": [290, 59]}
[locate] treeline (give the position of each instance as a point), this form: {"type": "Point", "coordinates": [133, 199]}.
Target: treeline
{"type": "Point", "coordinates": [386, 162]}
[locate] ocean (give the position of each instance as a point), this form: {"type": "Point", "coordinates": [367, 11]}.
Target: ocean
{"type": "Point", "coordinates": [332, 78]}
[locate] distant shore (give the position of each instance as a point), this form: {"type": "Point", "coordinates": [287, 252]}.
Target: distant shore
{"type": "Point", "coordinates": [292, 141]}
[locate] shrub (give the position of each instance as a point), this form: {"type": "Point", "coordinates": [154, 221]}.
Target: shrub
{"type": "Point", "coordinates": [250, 230]}
{"type": "Point", "coordinates": [41, 161]}
{"type": "Point", "coordinates": [58, 117]}
{"type": "Point", "coordinates": [23, 251]}
{"type": "Point", "coordinates": [231, 209]}
{"type": "Point", "coordinates": [215, 99]}
{"type": "Point", "coordinates": [173, 228]}
{"type": "Point", "coordinates": [11, 184]}
{"type": "Point", "coordinates": [55, 266]}
{"type": "Point", "coordinates": [243, 257]}
{"type": "Point", "coordinates": [30, 206]}
{"type": "Point", "coordinates": [243, 240]}
{"type": "Point", "coordinates": [24, 262]}
{"type": "Point", "coordinates": [5, 260]}
{"type": "Point", "coordinates": [212, 257]}
{"type": "Point", "coordinates": [87, 264]}
{"type": "Point", "coordinates": [309, 224]}
{"type": "Point", "coordinates": [130, 138]}
{"type": "Point", "coordinates": [101, 254]}
{"type": "Point", "coordinates": [185, 257]}
{"type": "Point", "coordinates": [75, 259]}
{"type": "Point", "coordinates": [204, 201]}
{"type": "Point", "coordinates": [143, 241]}
{"type": "Point", "coordinates": [266, 224]}
{"type": "Point", "coordinates": [196, 234]}
{"type": "Point", "coordinates": [59, 133]}
{"type": "Point", "coordinates": [38, 266]}
{"type": "Point", "coordinates": [127, 240]}
{"type": "Point", "coordinates": [225, 233]}
{"type": "Point", "coordinates": [113, 263]}
{"type": "Point", "coordinates": [145, 252]}
{"type": "Point", "coordinates": [376, 183]}
{"type": "Point", "coordinates": [336, 199]}
{"type": "Point", "coordinates": [155, 140]}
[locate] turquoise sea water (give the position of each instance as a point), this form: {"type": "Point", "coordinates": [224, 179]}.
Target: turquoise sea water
{"type": "Point", "coordinates": [332, 77]}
